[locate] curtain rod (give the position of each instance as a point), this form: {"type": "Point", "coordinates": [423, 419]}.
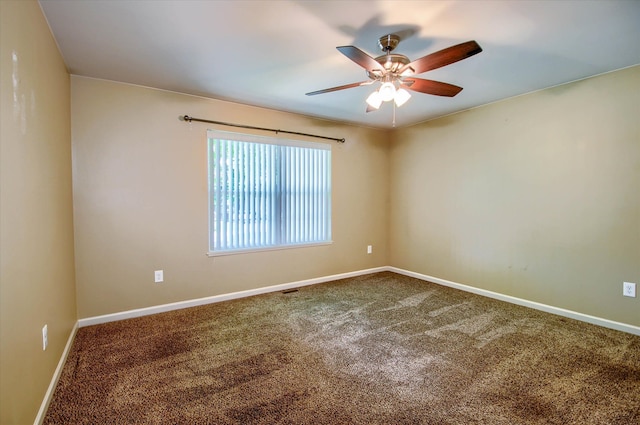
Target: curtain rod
{"type": "Point", "coordinates": [188, 118]}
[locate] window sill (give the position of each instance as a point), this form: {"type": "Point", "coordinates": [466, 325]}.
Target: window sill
{"type": "Point", "coordinates": [271, 248]}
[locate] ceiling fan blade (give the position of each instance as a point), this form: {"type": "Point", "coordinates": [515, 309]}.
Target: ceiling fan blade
{"type": "Point", "coordinates": [443, 57]}
{"type": "Point", "coordinates": [361, 58]}
{"type": "Point", "coordinates": [346, 86]}
{"type": "Point", "coordinates": [430, 87]}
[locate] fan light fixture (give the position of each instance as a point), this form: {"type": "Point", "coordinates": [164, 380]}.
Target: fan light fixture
{"type": "Point", "coordinates": [386, 93]}
{"type": "Point", "coordinates": [374, 100]}
{"type": "Point", "coordinates": [401, 97]}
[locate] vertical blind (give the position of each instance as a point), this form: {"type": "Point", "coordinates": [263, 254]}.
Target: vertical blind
{"type": "Point", "coordinates": [267, 192]}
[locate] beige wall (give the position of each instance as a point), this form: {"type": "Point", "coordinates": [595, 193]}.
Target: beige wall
{"type": "Point", "coordinates": [140, 200]}
{"type": "Point", "coordinates": [36, 251]}
{"type": "Point", "coordinates": [537, 197]}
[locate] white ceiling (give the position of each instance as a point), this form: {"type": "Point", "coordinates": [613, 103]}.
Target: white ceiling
{"type": "Point", "coordinates": [270, 53]}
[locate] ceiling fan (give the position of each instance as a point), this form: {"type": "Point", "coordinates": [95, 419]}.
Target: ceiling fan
{"type": "Point", "coordinates": [396, 72]}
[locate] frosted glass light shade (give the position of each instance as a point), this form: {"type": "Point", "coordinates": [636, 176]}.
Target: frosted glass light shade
{"type": "Point", "coordinates": [401, 97]}
{"type": "Point", "coordinates": [374, 100]}
{"type": "Point", "coordinates": [387, 92]}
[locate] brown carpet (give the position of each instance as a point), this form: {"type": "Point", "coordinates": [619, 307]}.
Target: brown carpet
{"type": "Point", "coordinates": [376, 349]}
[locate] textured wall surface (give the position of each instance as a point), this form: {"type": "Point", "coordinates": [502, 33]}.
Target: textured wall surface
{"type": "Point", "coordinates": [535, 197]}
{"type": "Point", "coordinates": [140, 198]}
{"type": "Point", "coordinates": [36, 216]}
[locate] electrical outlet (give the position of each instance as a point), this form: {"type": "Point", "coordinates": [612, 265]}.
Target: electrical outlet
{"type": "Point", "coordinates": [629, 289]}
{"type": "Point", "coordinates": [369, 249]}
{"type": "Point", "coordinates": [159, 276]}
{"type": "Point", "coordinates": [45, 337]}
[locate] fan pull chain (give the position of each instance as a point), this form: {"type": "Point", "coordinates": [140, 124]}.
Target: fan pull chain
{"type": "Point", "coordinates": [393, 124]}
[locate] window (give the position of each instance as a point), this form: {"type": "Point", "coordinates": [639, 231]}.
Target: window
{"type": "Point", "coordinates": [266, 192]}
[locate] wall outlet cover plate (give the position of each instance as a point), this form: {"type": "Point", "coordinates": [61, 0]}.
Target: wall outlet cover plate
{"type": "Point", "coordinates": [629, 289]}
{"type": "Point", "coordinates": [158, 276]}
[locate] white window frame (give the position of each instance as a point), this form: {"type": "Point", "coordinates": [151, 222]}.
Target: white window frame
{"type": "Point", "coordinates": [289, 205]}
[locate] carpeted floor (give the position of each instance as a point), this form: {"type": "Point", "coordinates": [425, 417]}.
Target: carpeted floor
{"type": "Point", "coordinates": [376, 349]}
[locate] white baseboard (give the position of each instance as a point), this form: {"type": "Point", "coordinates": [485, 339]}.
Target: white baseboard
{"type": "Point", "coordinates": [526, 303]}
{"type": "Point", "coordinates": [56, 377]}
{"type": "Point", "coordinates": [241, 294]}
{"type": "Point", "coordinates": [218, 298]}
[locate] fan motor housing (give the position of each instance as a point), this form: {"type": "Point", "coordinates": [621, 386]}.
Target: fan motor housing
{"type": "Point", "coordinates": [391, 62]}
